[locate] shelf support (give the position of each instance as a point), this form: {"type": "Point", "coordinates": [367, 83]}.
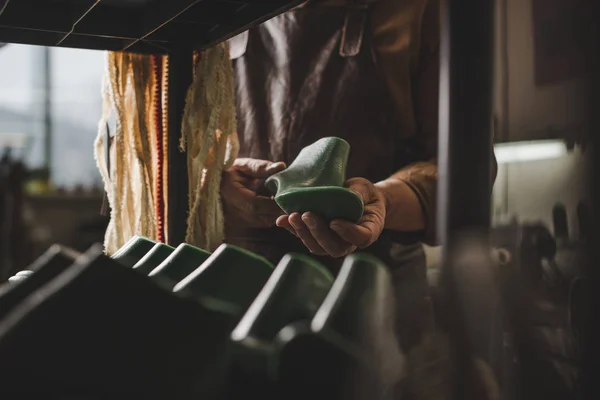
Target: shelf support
{"type": "Point", "coordinates": [464, 186]}
{"type": "Point", "coordinates": [179, 79]}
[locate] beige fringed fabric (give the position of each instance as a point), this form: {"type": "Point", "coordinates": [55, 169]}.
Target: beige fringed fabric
{"type": "Point", "coordinates": [209, 134]}
{"type": "Point", "coordinates": [127, 90]}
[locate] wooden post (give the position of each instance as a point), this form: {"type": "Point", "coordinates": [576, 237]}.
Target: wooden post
{"type": "Point", "coordinates": [179, 78]}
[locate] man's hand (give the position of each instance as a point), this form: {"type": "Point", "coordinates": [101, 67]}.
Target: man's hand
{"type": "Point", "coordinates": [340, 238]}
{"type": "Point", "coordinates": [241, 204]}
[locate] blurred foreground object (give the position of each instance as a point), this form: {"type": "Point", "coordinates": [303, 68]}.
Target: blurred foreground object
{"type": "Point", "coordinates": [13, 234]}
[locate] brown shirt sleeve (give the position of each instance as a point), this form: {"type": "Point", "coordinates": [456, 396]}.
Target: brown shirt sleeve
{"type": "Point", "coordinates": [422, 176]}
{"type": "Point", "coordinates": [406, 34]}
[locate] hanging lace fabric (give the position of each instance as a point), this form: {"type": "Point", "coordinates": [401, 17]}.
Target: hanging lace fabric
{"type": "Point", "coordinates": [209, 135]}
{"type": "Point", "coordinates": [126, 91]}
{"type": "Point", "coordinates": [136, 184]}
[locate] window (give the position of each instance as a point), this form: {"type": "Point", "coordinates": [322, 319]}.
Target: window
{"type": "Point", "coordinates": [72, 79]}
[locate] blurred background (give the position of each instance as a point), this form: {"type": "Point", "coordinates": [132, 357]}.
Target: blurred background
{"type": "Point", "coordinates": [51, 191]}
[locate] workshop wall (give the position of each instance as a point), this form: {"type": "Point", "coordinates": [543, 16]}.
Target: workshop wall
{"type": "Point", "coordinates": [528, 111]}
{"type": "Point", "coordinates": [529, 190]}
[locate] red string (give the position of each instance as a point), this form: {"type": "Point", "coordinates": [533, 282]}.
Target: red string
{"type": "Point", "coordinates": [158, 125]}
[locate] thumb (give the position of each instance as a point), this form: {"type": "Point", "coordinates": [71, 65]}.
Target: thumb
{"type": "Point", "coordinates": [362, 187]}
{"type": "Point", "coordinates": [255, 168]}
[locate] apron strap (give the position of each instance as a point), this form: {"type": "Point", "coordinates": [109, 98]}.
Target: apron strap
{"type": "Point", "coordinates": [352, 31]}
{"type": "Point", "coordinates": [354, 27]}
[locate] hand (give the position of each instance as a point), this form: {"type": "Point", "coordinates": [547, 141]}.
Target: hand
{"type": "Point", "coordinates": [340, 238]}
{"type": "Point", "coordinates": [241, 204]}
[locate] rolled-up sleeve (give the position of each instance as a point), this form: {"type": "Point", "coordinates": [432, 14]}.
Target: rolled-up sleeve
{"type": "Point", "coordinates": [422, 176]}
{"type": "Point", "coordinates": [422, 179]}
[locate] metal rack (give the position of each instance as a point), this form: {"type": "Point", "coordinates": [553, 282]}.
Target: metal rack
{"type": "Point", "coordinates": [141, 26]}
{"type": "Point", "coordinates": [173, 27]}
{"type": "Point", "coordinates": [465, 175]}
{"type": "Point", "coordinates": [177, 27]}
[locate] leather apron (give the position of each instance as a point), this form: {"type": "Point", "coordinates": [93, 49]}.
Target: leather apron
{"type": "Point", "coordinates": [312, 73]}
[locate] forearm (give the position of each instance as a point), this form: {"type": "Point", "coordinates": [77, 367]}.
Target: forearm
{"type": "Point", "coordinates": [411, 196]}
{"type": "Point", "coordinates": [404, 211]}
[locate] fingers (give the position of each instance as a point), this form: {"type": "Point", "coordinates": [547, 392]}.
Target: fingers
{"type": "Point", "coordinates": [239, 211]}
{"type": "Point", "coordinates": [316, 235]}
{"type": "Point", "coordinates": [243, 204]}
{"type": "Point", "coordinates": [340, 238]}
{"type": "Point", "coordinates": [246, 199]}
{"type": "Point", "coordinates": [370, 225]}
{"type": "Point", "coordinates": [257, 168]}
{"type": "Point", "coordinates": [304, 234]}
{"type": "Point", "coordinates": [365, 232]}
{"type": "Point", "coordinates": [261, 211]}
{"type": "Point", "coordinates": [358, 235]}
{"type": "Point", "coordinates": [362, 187]}
{"type": "Point", "coordinates": [284, 222]}
{"type": "Point", "coordinates": [261, 205]}
{"type": "Point", "coordinates": [325, 237]}
{"type": "Point", "coordinates": [319, 238]}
